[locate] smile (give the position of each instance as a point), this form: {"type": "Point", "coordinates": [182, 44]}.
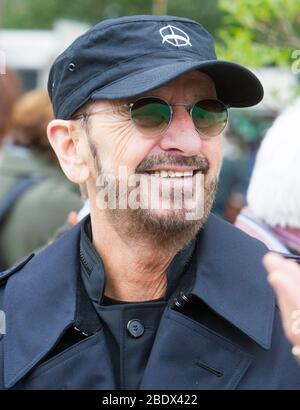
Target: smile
{"type": "Point", "coordinates": [171, 174]}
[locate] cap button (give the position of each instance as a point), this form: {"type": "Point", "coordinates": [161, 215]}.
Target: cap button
{"type": "Point", "coordinates": [72, 67]}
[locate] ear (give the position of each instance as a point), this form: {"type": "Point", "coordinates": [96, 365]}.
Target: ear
{"type": "Point", "coordinates": [64, 137]}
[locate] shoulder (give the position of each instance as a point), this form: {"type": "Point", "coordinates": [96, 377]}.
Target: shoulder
{"type": "Point", "coordinates": [233, 238]}
{"type": "Point", "coordinates": [37, 279]}
{"type": "Point", "coordinates": [232, 253]}
{"type": "Point", "coordinates": [4, 276]}
{"type": "Point", "coordinates": [58, 253]}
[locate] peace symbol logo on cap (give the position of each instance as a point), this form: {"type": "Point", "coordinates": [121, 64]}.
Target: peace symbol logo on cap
{"type": "Point", "coordinates": [175, 36]}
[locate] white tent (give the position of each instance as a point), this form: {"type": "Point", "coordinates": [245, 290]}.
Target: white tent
{"type": "Point", "coordinates": [36, 49]}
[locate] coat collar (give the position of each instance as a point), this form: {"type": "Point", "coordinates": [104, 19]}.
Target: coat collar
{"type": "Point", "coordinates": [231, 279]}
{"type": "Point", "coordinates": [41, 297]}
{"type": "Point", "coordinates": [40, 303]}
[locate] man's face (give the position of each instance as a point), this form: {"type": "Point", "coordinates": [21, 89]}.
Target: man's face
{"type": "Point", "coordinates": [117, 145]}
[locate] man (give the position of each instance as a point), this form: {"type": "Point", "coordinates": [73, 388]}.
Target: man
{"type": "Point", "coordinates": [156, 296]}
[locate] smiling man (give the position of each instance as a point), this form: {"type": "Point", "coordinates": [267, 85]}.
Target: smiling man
{"type": "Point", "coordinates": [140, 295]}
{"type": "Point", "coordinates": [170, 154]}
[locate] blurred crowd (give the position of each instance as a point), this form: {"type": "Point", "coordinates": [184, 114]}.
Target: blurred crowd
{"type": "Point", "coordinates": [35, 196]}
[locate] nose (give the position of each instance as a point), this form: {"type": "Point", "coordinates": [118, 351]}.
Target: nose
{"type": "Point", "coordinates": [181, 136]}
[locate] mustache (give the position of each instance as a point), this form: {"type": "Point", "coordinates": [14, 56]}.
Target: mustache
{"type": "Point", "coordinates": [198, 162]}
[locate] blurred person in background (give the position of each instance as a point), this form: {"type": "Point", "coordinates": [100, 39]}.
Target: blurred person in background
{"type": "Point", "coordinates": [284, 277]}
{"type": "Point", "coordinates": [273, 215]}
{"type": "Point", "coordinates": [35, 196]}
{"type": "Point", "coordinates": [273, 211]}
{"type": "Point", "coordinates": [243, 137]}
{"type": "Point", "coordinates": [10, 89]}
{"type": "Point", "coordinates": [230, 197]}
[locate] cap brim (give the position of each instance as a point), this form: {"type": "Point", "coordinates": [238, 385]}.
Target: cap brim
{"type": "Point", "coordinates": [236, 86]}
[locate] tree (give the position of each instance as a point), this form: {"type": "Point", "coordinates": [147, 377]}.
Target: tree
{"type": "Point", "coordinates": [40, 14]}
{"type": "Point", "coordinates": [259, 32]}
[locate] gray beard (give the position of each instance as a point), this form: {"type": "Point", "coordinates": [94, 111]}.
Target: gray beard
{"type": "Point", "coordinates": [171, 232]}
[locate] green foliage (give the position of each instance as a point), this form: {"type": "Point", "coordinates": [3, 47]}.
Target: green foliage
{"type": "Point", "coordinates": [205, 11]}
{"type": "Point", "coordinates": [259, 32]}
{"type": "Point", "coordinates": [41, 14]}
{"type": "Point", "coordinates": [251, 32]}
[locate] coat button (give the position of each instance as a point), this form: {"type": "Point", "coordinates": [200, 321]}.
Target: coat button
{"type": "Point", "coordinates": [135, 328]}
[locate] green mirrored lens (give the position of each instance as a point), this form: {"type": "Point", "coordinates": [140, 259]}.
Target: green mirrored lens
{"type": "Point", "coordinates": [210, 117]}
{"type": "Point", "coordinates": [152, 115]}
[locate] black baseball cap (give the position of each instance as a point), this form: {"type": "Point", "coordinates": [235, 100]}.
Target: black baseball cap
{"type": "Point", "coordinates": [128, 56]}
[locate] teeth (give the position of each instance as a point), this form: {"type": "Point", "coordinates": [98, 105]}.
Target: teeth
{"type": "Point", "coordinates": [188, 173]}
{"type": "Point", "coordinates": [172, 174]}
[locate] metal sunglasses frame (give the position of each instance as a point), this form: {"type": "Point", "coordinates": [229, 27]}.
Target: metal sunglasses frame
{"type": "Point", "coordinates": [189, 110]}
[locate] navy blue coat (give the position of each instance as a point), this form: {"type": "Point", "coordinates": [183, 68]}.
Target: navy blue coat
{"type": "Point", "coordinates": [237, 344]}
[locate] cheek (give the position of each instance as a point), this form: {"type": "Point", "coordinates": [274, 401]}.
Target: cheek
{"type": "Point", "coordinates": [122, 145]}
{"type": "Point", "coordinates": [213, 150]}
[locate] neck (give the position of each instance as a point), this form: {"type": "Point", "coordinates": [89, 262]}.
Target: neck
{"type": "Point", "coordinates": [134, 271]}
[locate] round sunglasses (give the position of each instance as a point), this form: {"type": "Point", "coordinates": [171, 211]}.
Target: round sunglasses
{"type": "Point", "coordinates": [153, 115]}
